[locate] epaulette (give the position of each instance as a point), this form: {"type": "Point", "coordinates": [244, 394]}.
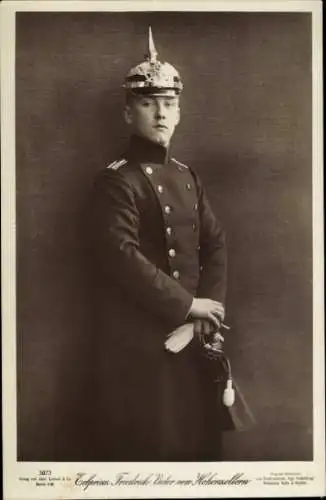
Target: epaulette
{"type": "Point", "coordinates": [115, 165]}
{"type": "Point", "coordinates": [179, 163]}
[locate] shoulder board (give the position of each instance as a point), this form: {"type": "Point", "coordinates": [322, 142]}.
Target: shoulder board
{"type": "Point", "coordinates": [179, 163]}
{"type": "Point", "coordinates": [115, 165]}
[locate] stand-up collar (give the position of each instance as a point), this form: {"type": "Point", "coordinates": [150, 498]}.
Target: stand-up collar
{"type": "Point", "coordinates": [146, 151]}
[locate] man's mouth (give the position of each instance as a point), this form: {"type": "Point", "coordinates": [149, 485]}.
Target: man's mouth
{"type": "Point", "coordinates": [160, 127]}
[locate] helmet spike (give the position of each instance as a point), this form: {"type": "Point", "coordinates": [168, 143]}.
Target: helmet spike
{"type": "Point", "coordinates": [151, 55]}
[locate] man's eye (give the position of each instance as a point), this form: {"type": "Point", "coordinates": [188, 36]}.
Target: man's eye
{"type": "Point", "coordinates": [146, 104]}
{"type": "Point", "coordinates": [170, 104]}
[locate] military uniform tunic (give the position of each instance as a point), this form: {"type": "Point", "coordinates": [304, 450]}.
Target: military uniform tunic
{"type": "Point", "coordinates": [157, 245]}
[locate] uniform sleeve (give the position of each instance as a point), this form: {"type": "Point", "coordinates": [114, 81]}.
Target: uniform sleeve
{"type": "Point", "coordinates": [116, 245]}
{"type": "Point", "coordinates": [212, 253]}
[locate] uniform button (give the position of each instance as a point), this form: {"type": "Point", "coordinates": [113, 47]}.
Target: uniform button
{"type": "Point", "coordinates": [201, 268]}
{"type": "Point", "coordinates": [172, 252]}
{"type": "Point", "coordinates": [167, 209]}
{"type": "Point", "coordinates": [198, 248]}
{"type": "Point", "coordinates": [196, 206]}
{"type": "Point", "coordinates": [176, 274]}
{"type": "Point", "coordinates": [160, 189]}
{"type": "Point", "coordinates": [194, 227]}
{"type": "Point", "coordinates": [168, 231]}
{"type": "Point", "coordinates": [188, 186]}
{"type": "Point", "coordinates": [149, 170]}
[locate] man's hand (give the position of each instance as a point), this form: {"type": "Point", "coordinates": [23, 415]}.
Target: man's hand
{"type": "Point", "coordinates": [203, 327]}
{"type": "Point", "coordinates": [207, 309]}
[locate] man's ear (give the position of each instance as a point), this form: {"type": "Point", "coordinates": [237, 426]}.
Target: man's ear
{"type": "Point", "coordinates": [128, 114]}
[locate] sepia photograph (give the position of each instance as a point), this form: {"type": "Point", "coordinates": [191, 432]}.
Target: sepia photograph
{"type": "Point", "coordinates": [166, 238]}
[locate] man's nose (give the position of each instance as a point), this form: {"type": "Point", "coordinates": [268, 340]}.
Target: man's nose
{"type": "Point", "coordinates": [160, 110]}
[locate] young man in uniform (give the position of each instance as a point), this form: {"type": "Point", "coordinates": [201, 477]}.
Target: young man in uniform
{"type": "Point", "coordinates": [160, 261]}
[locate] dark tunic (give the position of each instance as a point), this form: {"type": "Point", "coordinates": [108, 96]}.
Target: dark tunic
{"type": "Point", "coordinates": [157, 244]}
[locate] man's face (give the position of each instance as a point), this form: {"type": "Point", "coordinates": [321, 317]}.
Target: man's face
{"type": "Point", "coordinates": [153, 117]}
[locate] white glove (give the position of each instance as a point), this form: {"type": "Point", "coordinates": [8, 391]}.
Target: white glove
{"type": "Point", "coordinates": [180, 338]}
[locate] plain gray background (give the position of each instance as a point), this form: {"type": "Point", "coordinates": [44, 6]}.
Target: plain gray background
{"type": "Point", "coordinates": [246, 128]}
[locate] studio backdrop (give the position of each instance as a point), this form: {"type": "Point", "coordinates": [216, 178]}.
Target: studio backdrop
{"type": "Point", "coordinates": [245, 127]}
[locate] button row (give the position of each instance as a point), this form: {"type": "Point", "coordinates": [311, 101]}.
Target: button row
{"type": "Point", "coordinates": [167, 210]}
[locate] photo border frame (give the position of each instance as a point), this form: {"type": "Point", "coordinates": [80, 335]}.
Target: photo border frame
{"type": "Point", "coordinates": [15, 487]}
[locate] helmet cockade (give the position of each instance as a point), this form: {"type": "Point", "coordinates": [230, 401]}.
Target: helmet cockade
{"type": "Point", "coordinates": [153, 77]}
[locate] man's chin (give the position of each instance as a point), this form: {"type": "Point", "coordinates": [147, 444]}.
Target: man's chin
{"type": "Point", "coordinates": [161, 138]}
{"type": "Point", "coordinates": [163, 142]}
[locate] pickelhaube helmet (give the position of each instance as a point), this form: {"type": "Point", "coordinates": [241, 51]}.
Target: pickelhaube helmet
{"type": "Point", "coordinates": [152, 77]}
